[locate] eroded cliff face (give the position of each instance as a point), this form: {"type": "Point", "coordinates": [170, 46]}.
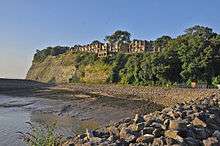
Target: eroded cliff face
{"type": "Point", "coordinates": [53, 69]}
{"type": "Point", "coordinates": [62, 69]}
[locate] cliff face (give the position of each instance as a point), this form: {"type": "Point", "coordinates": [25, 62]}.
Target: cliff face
{"type": "Point", "coordinates": [62, 69]}
{"type": "Point", "coordinates": [53, 69]}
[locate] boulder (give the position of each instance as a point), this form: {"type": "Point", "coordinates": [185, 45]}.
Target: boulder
{"type": "Point", "coordinates": [189, 141]}
{"type": "Point", "coordinates": [177, 125]}
{"type": "Point", "coordinates": [158, 132]}
{"type": "Point", "coordinates": [136, 127]}
{"type": "Point", "coordinates": [159, 141]}
{"type": "Point", "coordinates": [173, 114]}
{"type": "Point", "coordinates": [127, 135]}
{"type": "Point", "coordinates": [149, 120]}
{"type": "Point", "coordinates": [199, 123]}
{"type": "Point", "coordinates": [113, 130]}
{"type": "Point", "coordinates": [173, 134]}
{"type": "Point", "coordinates": [147, 130]}
{"type": "Point", "coordinates": [138, 118]}
{"type": "Point", "coordinates": [147, 138]}
{"type": "Point", "coordinates": [211, 141]}
{"type": "Point", "coordinates": [89, 133]}
{"type": "Point", "coordinates": [216, 134]}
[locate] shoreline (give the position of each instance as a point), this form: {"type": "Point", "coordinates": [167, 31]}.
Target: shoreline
{"type": "Point", "coordinates": [166, 96]}
{"type": "Point", "coordinates": [106, 104]}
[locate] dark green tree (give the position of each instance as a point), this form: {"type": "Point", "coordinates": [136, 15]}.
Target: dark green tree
{"type": "Point", "coordinates": [118, 36]}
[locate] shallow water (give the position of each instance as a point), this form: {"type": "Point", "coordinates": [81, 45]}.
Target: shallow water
{"type": "Point", "coordinates": [11, 121]}
{"type": "Point", "coordinates": [15, 111]}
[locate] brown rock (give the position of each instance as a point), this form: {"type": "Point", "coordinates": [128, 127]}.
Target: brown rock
{"type": "Point", "coordinates": [126, 134]}
{"type": "Point", "coordinates": [136, 127]}
{"type": "Point", "coordinates": [113, 130]}
{"type": "Point", "coordinates": [198, 122]}
{"type": "Point", "coordinates": [211, 141]}
{"type": "Point", "coordinates": [173, 134]}
{"type": "Point", "coordinates": [173, 114]}
{"type": "Point", "coordinates": [217, 134]}
{"type": "Point", "coordinates": [177, 125]}
{"type": "Point", "coordinates": [148, 120]}
{"type": "Point", "coordinates": [158, 142]}
{"type": "Point", "coordinates": [145, 138]}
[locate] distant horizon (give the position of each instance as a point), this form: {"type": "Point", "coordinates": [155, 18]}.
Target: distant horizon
{"type": "Point", "coordinates": [30, 25]}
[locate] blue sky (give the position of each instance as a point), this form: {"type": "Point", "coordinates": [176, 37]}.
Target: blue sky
{"type": "Point", "coordinates": [27, 25]}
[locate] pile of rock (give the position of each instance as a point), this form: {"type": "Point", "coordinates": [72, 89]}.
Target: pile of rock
{"type": "Point", "coordinates": [193, 124]}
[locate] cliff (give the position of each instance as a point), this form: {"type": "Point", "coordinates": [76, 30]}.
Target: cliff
{"type": "Point", "coordinates": [69, 67]}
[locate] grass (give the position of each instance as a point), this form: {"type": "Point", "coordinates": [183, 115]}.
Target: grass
{"type": "Point", "coordinates": [43, 135]}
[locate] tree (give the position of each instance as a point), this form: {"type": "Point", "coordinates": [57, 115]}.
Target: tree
{"type": "Point", "coordinates": [118, 36]}
{"type": "Point", "coordinates": [96, 42]}
{"type": "Point", "coordinates": [201, 31]}
{"type": "Point", "coordinates": [161, 42]}
{"type": "Point", "coordinates": [197, 54]}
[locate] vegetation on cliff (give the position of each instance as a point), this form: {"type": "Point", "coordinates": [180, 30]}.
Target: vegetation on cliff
{"type": "Point", "coordinates": [195, 55]}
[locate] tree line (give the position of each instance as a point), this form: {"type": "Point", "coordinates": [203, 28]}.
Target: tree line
{"type": "Point", "coordinates": [192, 56]}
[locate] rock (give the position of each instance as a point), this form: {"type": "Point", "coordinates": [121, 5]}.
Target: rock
{"type": "Point", "coordinates": [113, 130]}
{"type": "Point", "coordinates": [173, 134]}
{"type": "Point", "coordinates": [121, 142]}
{"type": "Point", "coordinates": [216, 134]}
{"type": "Point", "coordinates": [127, 135]}
{"type": "Point", "coordinates": [136, 127]}
{"type": "Point", "coordinates": [166, 123]}
{"type": "Point", "coordinates": [189, 141]}
{"type": "Point", "coordinates": [89, 133]}
{"type": "Point", "coordinates": [198, 122]}
{"type": "Point", "coordinates": [211, 141]}
{"type": "Point", "coordinates": [158, 141]}
{"type": "Point", "coordinates": [157, 125]}
{"type": "Point", "coordinates": [170, 141]}
{"type": "Point", "coordinates": [138, 119]}
{"type": "Point", "coordinates": [200, 133]}
{"type": "Point", "coordinates": [123, 125]}
{"type": "Point", "coordinates": [111, 138]}
{"type": "Point", "coordinates": [195, 124]}
{"type": "Point", "coordinates": [96, 140]}
{"type": "Point", "coordinates": [104, 144]}
{"type": "Point", "coordinates": [167, 110]}
{"type": "Point", "coordinates": [147, 130]}
{"type": "Point", "coordinates": [130, 138]}
{"type": "Point", "coordinates": [195, 108]}
{"type": "Point", "coordinates": [147, 138]}
{"type": "Point", "coordinates": [173, 114]}
{"type": "Point", "coordinates": [158, 132]}
{"type": "Point", "coordinates": [127, 120]}
{"type": "Point", "coordinates": [177, 125]}
{"type": "Point", "coordinates": [149, 120]}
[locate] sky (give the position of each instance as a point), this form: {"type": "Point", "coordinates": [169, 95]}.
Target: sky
{"type": "Point", "coordinates": [27, 25]}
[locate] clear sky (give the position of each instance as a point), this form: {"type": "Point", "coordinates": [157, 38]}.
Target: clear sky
{"type": "Point", "coordinates": [27, 25]}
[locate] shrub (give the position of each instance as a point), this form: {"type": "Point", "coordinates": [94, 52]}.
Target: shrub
{"type": "Point", "coordinates": [43, 135]}
{"type": "Point", "coordinates": [216, 80]}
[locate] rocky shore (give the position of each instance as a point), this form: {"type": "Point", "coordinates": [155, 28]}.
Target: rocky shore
{"type": "Point", "coordinates": [195, 123]}
{"type": "Point", "coordinates": [166, 96]}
